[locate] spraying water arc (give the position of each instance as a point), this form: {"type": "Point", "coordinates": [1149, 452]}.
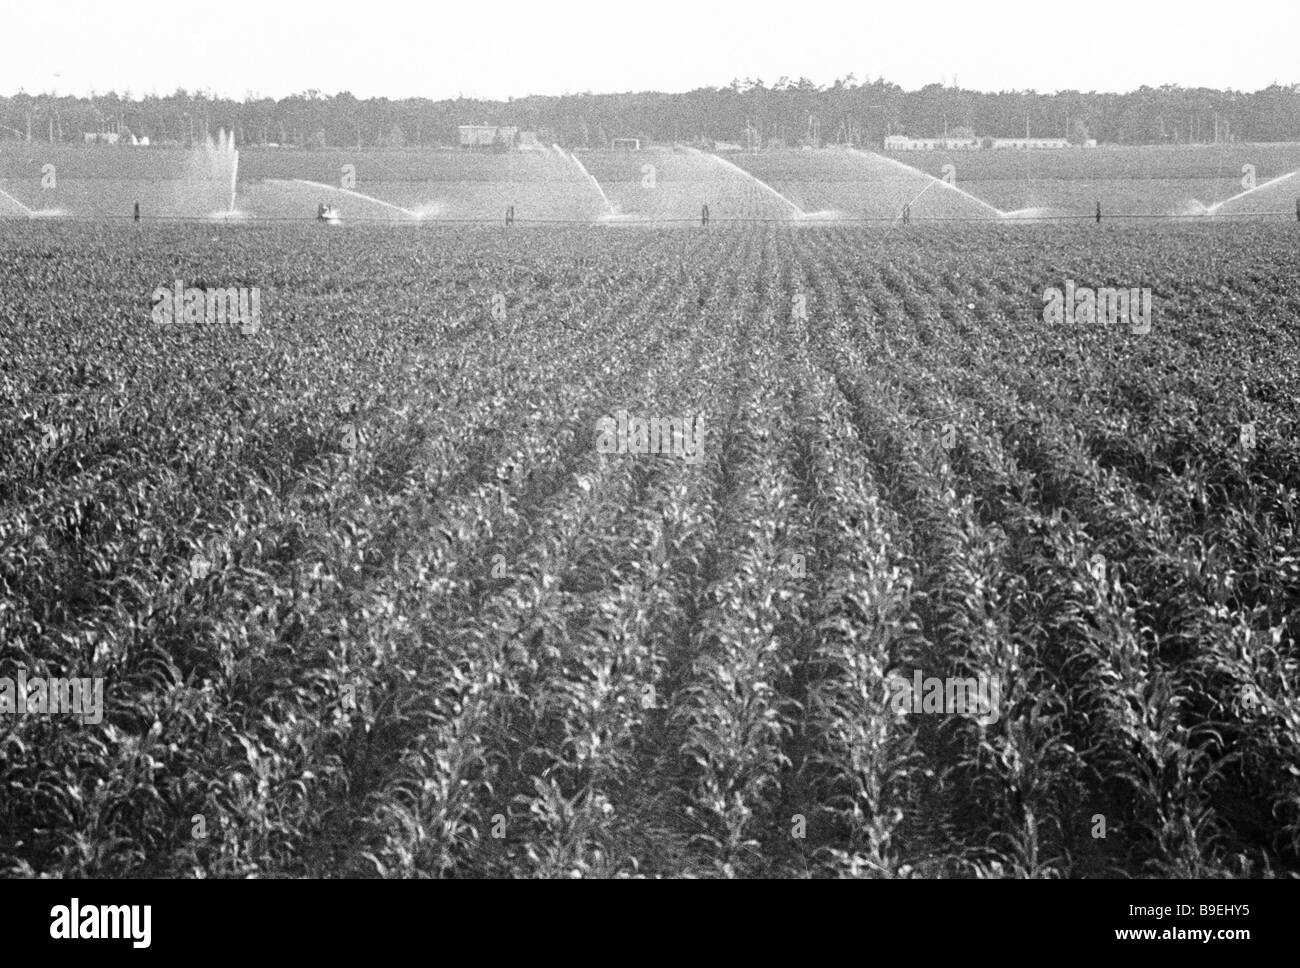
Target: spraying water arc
{"type": "Point", "coordinates": [931, 181]}
{"type": "Point", "coordinates": [1214, 209]}
{"type": "Point", "coordinates": [791, 210]}
{"type": "Point", "coordinates": [610, 209]}
{"type": "Point", "coordinates": [26, 211]}
{"type": "Point", "coordinates": [369, 199]}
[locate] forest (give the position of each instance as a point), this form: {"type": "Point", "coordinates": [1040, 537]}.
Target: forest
{"type": "Point", "coordinates": [750, 111]}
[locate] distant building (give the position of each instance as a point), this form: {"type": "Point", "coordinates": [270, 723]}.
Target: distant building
{"type": "Point", "coordinates": [1031, 143]}
{"type": "Point", "coordinates": [487, 135]}
{"type": "Point", "coordinates": [901, 142]}
{"type": "Point", "coordinates": [626, 144]}
{"type": "Point", "coordinates": [102, 137]}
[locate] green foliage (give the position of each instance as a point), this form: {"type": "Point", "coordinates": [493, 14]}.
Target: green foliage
{"type": "Point", "coordinates": [367, 600]}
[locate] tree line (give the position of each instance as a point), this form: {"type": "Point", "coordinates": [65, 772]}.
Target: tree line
{"type": "Point", "coordinates": [747, 112]}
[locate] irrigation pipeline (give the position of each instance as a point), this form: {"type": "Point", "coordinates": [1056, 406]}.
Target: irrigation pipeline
{"type": "Point", "coordinates": [613, 223]}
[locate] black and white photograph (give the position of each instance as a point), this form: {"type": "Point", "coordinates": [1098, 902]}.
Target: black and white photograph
{"type": "Point", "coordinates": [676, 441]}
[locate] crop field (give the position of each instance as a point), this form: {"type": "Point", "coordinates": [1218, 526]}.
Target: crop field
{"type": "Point", "coordinates": [672, 184]}
{"type": "Point", "coordinates": [1059, 197]}
{"type": "Point", "coordinates": [371, 594]}
{"type": "Point", "coordinates": [859, 184]}
{"type": "Point", "coordinates": [658, 184]}
{"type": "Point", "coordinates": [1207, 161]}
{"type": "Point", "coordinates": [1127, 180]}
{"type": "Point", "coordinates": [273, 184]}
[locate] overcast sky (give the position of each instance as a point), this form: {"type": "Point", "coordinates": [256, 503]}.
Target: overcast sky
{"type": "Point", "coordinates": [503, 49]}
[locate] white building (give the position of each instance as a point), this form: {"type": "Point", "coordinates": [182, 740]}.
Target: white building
{"type": "Point", "coordinates": [901, 142]}
{"type": "Point", "coordinates": [1031, 143]}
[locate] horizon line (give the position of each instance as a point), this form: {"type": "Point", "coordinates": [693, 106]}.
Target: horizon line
{"type": "Point", "coordinates": [745, 85]}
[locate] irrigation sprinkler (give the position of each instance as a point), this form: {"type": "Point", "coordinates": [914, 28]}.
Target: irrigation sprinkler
{"type": "Point", "coordinates": [1099, 213]}
{"type": "Point", "coordinates": [510, 215]}
{"type": "Point", "coordinates": [1297, 209]}
{"type": "Point", "coordinates": [136, 214]}
{"type": "Point", "coordinates": [704, 215]}
{"type": "Point", "coordinates": [907, 214]}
